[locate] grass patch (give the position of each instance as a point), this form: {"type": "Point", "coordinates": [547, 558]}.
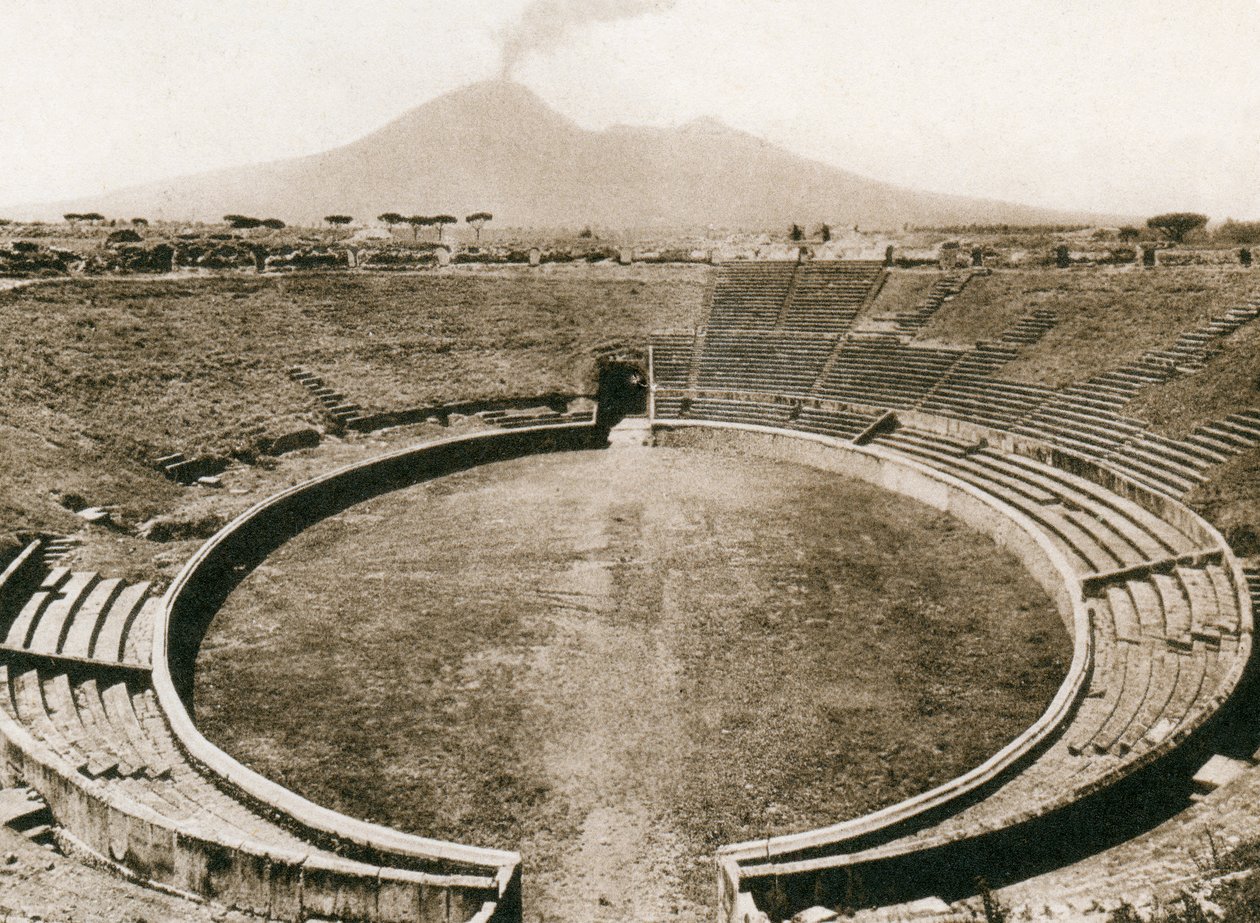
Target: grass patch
{"type": "Point", "coordinates": [505, 655]}
{"type": "Point", "coordinates": [1106, 317]}
{"type": "Point", "coordinates": [903, 290]}
{"type": "Point", "coordinates": [100, 377]}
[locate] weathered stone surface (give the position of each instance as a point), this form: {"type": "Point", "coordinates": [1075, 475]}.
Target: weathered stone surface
{"type": "Point", "coordinates": [1219, 770]}
{"type": "Point", "coordinates": [815, 915]}
{"type": "Point", "coordinates": [305, 438]}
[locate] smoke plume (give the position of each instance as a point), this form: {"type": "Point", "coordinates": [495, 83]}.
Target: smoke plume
{"type": "Point", "coordinates": [546, 24]}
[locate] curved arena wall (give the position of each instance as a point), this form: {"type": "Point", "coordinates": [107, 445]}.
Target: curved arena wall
{"type": "Point", "coordinates": [1005, 525]}
{"type": "Point", "coordinates": [859, 840]}
{"type": "Point", "coordinates": [389, 875]}
{"type": "Point", "coordinates": [380, 874]}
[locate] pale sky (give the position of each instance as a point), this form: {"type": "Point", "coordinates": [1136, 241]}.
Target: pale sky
{"type": "Point", "coordinates": [1130, 106]}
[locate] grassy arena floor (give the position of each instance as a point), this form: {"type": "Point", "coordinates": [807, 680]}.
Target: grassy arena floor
{"type": "Point", "coordinates": [616, 661]}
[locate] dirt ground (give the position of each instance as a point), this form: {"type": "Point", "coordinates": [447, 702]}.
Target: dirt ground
{"type": "Point", "coordinates": [616, 661]}
{"type": "Point", "coordinates": [39, 884]}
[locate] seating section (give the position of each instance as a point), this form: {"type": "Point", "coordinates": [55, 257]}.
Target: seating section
{"type": "Point", "coordinates": [826, 295]}
{"type": "Point", "coordinates": [1099, 531]}
{"type": "Point", "coordinates": [782, 363]}
{"type": "Point", "coordinates": [746, 349]}
{"type": "Point", "coordinates": [750, 295]}
{"type": "Point", "coordinates": [821, 296]}
{"type": "Point", "coordinates": [672, 356]}
{"type": "Point", "coordinates": [881, 371]}
{"type": "Point", "coordinates": [78, 616]}
{"type": "Point", "coordinates": [1175, 466]}
{"type": "Point", "coordinates": [75, 677]}
{"type": "Point", "coordinates": [535, 416]}
{"type": "Point", "coordinates": [970, 392]}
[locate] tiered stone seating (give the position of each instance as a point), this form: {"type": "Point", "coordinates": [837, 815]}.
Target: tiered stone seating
{"type": "Point", "coordinates": [843, 424]}
{"type": "Point", "coordinates": [1078, 420]}
{"type": "Point", "coordinates": [78, 711]}
{"type": "Point", "coordinates": [538, 416]}
{"type": "Point", "coordinates": [784, 363]}
{"type": "Point", "coordinates": [750, 295]}
{"type": "Point", "coordinates": [77, 615]}
{"type": "Point", "coordinates": [1174, 466]}
{"type": "Point", "coordinates": [729, 410]}
{"type": "Point", "coordinates": [820, 296]}
{"type": "Point", "coordinates": [1099, 531]}
{"type": "Point", "coordinates": [826, 295]}
{"type": "Point", "coordinates": [672, 356]}
{"type": "Point", "coordinates": [969, 392]}
{"type": "Point", "coordinates": [883, 372]}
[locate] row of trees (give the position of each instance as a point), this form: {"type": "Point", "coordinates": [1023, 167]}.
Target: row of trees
{"type": "Point", "coordinates": [477, 220]}
{"type": "Point", "coordinates": [244, 222]}
{"type": "Point", "coordinates": [1174, 226]}
{"type": "Point", "coordinates": [1177, 226]}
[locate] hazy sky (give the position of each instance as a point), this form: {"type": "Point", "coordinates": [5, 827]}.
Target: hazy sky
{"type": "Point", "coordinates": [1115, 105]}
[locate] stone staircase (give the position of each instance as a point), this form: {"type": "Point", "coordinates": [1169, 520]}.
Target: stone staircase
{"type": "Point", "coordinates": [343, 412]}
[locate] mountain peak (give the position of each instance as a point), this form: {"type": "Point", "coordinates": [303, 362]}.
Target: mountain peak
{"type": "Point", "coordinates": [708, 125]}
{"type": "Point", "coordinates": [492, 100]}
{"type": "Point", "coordinates": [496, 145]}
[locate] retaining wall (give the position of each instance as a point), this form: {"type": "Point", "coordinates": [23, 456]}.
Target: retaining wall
{"type": "Point", "coordinates": [422, 873]}
{"type": "Point", "coordinates": [842, 845]}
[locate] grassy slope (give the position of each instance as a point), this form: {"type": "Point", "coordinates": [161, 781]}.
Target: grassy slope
{"type": "Point", "coordinates": [903, 290]}
{"type": "Point", "coordinates": [1106, 317]}
{"type": "Point", "coordinates": [1109, 317]}
{"type": "Point", "coordinates": [99, 377]}
{"type": "Point", "coordinates": [1230, 382]}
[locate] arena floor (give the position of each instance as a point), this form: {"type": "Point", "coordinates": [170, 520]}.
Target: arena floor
{"type": "Point", "coordinates": [615, 661]}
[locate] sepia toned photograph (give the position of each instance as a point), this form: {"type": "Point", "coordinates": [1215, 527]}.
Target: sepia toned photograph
{"type": "Point", "coordinates": [629, 461]}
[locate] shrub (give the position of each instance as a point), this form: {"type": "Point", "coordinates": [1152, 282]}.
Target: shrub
{"type": "Point", "coordinates": [1238, 232]}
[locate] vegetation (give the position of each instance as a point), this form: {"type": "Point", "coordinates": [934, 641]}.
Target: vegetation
{"type": "Point", "coordinates": [101, 377]}
{"type": "Point", "coordinates": [1105, 318]}
{"type": "Point", "coordinates": [478, 220]}
{"type": "Point", "coordinates": [1004, 229]}
{"type": "Point", "coordinates": [601, 660]}
{"type": "Point", "coordinates": [1176, 225]}
{"type": "Point", "coordinates": [1238, 232]}
{"type": "Point", "coordinates": [337, 220]}
{"type": "Point", "coordinates": [417, 222]}
{"type": "Point", "coordinates": [441, 221]}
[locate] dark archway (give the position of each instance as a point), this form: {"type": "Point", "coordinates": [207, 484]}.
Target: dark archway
{"type": "Point", "coordinates": [623, 385]}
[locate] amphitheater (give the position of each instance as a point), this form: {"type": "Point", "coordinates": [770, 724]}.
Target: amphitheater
{"type": "Point", "coordinates": [99, 742]}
